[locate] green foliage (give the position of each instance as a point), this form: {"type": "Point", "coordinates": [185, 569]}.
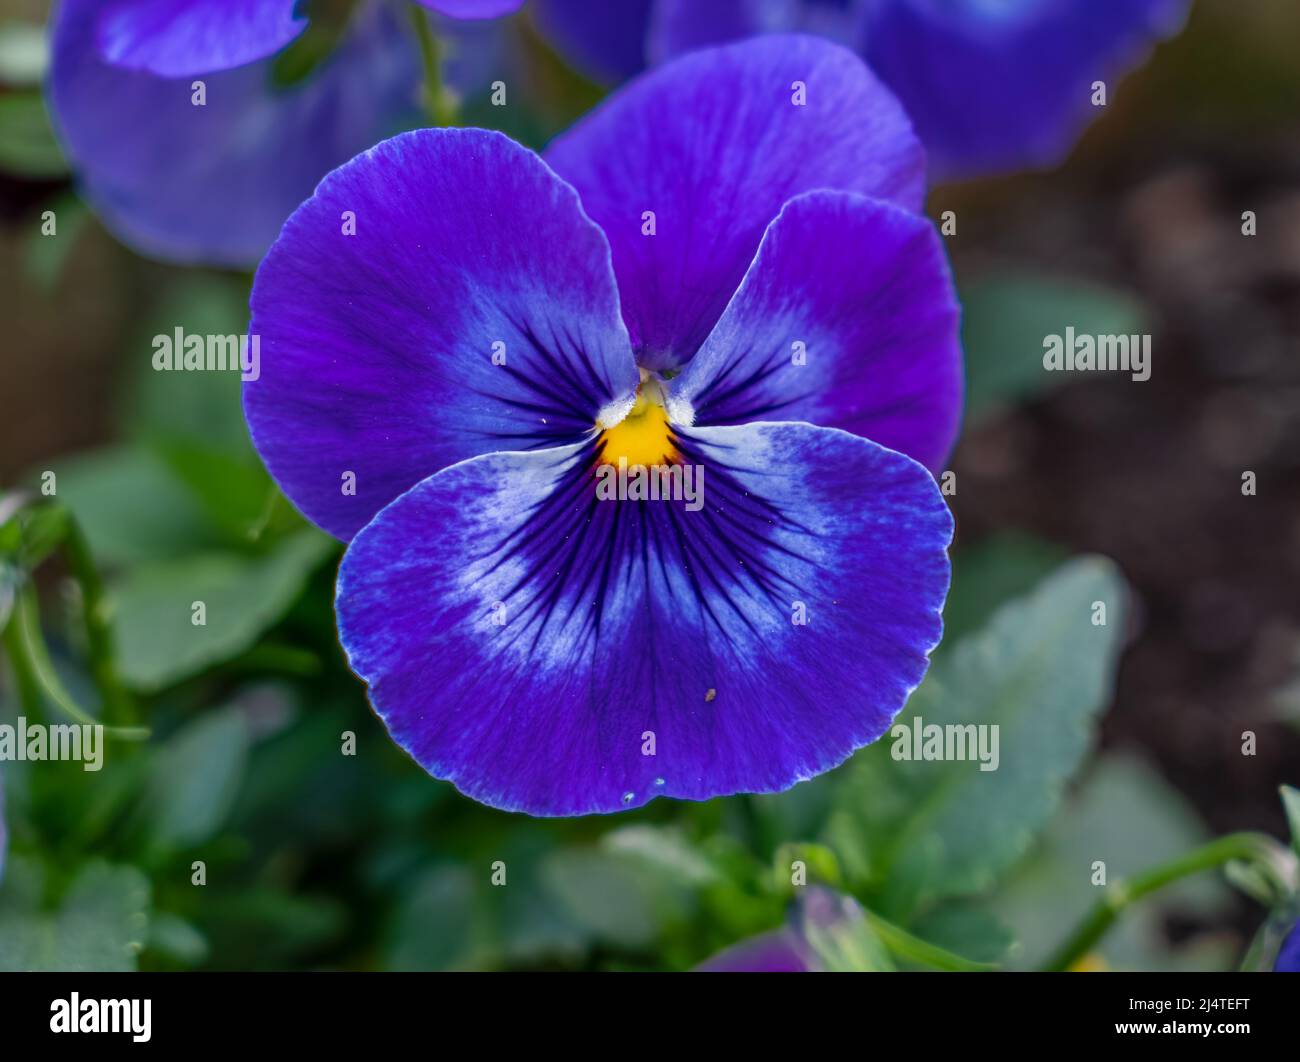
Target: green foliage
{"type": "Point", "coordinates": [1006, 317]}
{"type": "Point", "coordinates": [154, 607]}
{"type": "Point", "coordinates": [1040, 671]}
{"type": "Point", "coordinates": [27, 144]}
{"type": "Point", "coordinates": [100, 923]}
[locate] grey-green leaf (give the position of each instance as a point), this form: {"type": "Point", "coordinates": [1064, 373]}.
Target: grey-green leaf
{"type": "Point", "coordinates": [1040, 672]}
{"type": "Point", "coordinates": [157, 607]}
{"type": "Point", "coordinates": [100, 925]}
{"type": "Point", "coordinates": [1006, 318]}
{"type": "Point", "coordinates": [196, 778]}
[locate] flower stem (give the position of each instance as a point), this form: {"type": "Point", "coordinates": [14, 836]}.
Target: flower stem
{"type": "Point", "coordinates": [441, 103]}
{"type": "Point", "coordinates": [35, 671]}
{"type": "Point", "coordinates": [1249, 847]}
{"type": "Point", "coordinates": [119, 707]}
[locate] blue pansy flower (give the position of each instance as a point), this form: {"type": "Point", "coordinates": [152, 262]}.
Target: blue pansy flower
{"type": "Point", "coordinates": [192, 134]}
{"type": "Point", "coordinates": [1288, 956]}
{"type": "Point", "coordinates": [822, 934]}
{"type": "Point", "coordinates": [464, 343]}
{"type": "Point", "coordinates": [991, 85]}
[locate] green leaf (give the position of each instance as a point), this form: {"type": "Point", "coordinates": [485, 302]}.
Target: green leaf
{"type": "Point", "coordinates": [158, 640]}
{"type": "Point", "coordinates": [27, 144]}
{"type": "Point", "coordinates": [100, 925]}
{"type": "Point", "coordinates": [967, 931]}
{"type": "Point", "coordinates": [1006, 318]}
{"type": "Point", "coordinates": [1040, 671]}
{"type": "Point", "coordinates": [666, 850]}
{"type": "Point", "coordinates": [1291, 802]}
{"type": "Point", "coordinates": [992, 572]}
{"type": "Point", "coordinates": [176, 939]}
{"type": "Point", "coordinates": [49, 254]}
{"type": "Point", "coordinates": [611, 895]}
{"type": "Point", "coordinates": [819, 865]}
{"type": "Point", "coordinates": [131, 507]}
{"type": "Point", "coordinates": [195, 780]}
{"type": "Point", "coordinates": [433, 930]}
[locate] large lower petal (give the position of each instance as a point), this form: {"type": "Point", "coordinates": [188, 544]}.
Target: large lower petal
{"type": "Point", "coordinates": [473, 310]}
{"type": "Point", "coordinates": [178, 38]}
{"type": "Point", "coordinates": [213, 183]}
{"type": "Point", "coordinates": [558, 654]}
{"type": "Point", "coordinates": [847, 318]}
{"type": "Point", "coordinates": [1000, 86]}
{"type": "Point", "coordinates": [712, 145]}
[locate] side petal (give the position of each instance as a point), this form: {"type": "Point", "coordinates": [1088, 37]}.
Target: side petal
{"type": "Point", "coordinates": [558, 654]}
{"type": "Point", "coordinates": [441, 296]}
{"type": "Point", "coordinates": [707, 149]}
{"type": "Point", "coordinates": [848, 319]}
{"type": "Point", "coordinates": [212, 183]}
{"type": "Point", "coordinates": [473, 8]}
{"type": "Point", "coordinates": [179, 38]}
{"type": "Point", "coordinates": [994, 87]}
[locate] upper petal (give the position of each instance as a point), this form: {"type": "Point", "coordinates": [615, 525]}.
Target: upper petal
{"type": "Point", "coordinates": [554, 653]}
{"type": "Point", "coordinates": [1000, 86]}
{"type": "Point", "coordinates": [606, 41]}
{"type": "Point", "coordinates": [213, 183]}
{"type": "Point", "coordinates": [177, 38]}
{"type": "Point", "coordinates": [474, 309]}
{"type": "Point", "coordinates": [473, 8]}
{"type": "Point", "coordinates": [848, 319]}
{"type": "Point", "coordinates": [713, 144]}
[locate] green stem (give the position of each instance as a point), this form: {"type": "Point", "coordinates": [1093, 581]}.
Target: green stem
{"type": "Point", "coordinates": [119, 707]}
{"type": "Point", "coordinates": [1249, 847]}
{"type": "Point", "coordinates": [32, 663]}
{"type": "Point", "coordinates": [29, 689]}
{"type": "Point", "coordinates": [902, 944]}
{"type": "Point", "coordinates": [442, 105]}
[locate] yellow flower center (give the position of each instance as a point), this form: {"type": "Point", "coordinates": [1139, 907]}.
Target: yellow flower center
{"type": "Point", "coordinates": [643, 437]}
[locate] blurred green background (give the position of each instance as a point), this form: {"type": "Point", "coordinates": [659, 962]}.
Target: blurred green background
{"type": "Point", "coordinates": [1125, 748]}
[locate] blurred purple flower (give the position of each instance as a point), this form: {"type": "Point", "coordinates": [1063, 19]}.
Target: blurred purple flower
{"type": "Point", "coordinates": [819, 923]}
{"type": "Point", "coordinates": [991, 85]}
{"type": "Point", "coordinates": [460, 339]}
{"type": "Point", "coordinates": [212, 181]}
{"type": "Point", "coordinates": [1288, 956]}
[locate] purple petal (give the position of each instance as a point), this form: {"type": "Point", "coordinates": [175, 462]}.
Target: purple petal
{"type": "Point", "coordinates": [680, 26]}
{"type": "Point", "coordinates": [524, 640]}
{"type": "Point", "coordinates": [714, 145]}
{"type": "Point", "coordinates": [179, 38]}
{"type": "Point", "coordinates": [779, 951]}
{"type": "Point", "coordinates": [847, 319]}
{"type": "Point", "coordinates": [997, 87]}
{"type": "Point", "coordinates": [1288, 957]}
{"type": "Point", "coordinates": [820, 919]}
{"type": "Point", "coordinates": [606, 41]}
{"type": "Point", "coordinates": [473, 8]}
{"type": "Point", "coordinates": [378, 348]}
{"type": "Point", "coordinates": [213, 184]}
